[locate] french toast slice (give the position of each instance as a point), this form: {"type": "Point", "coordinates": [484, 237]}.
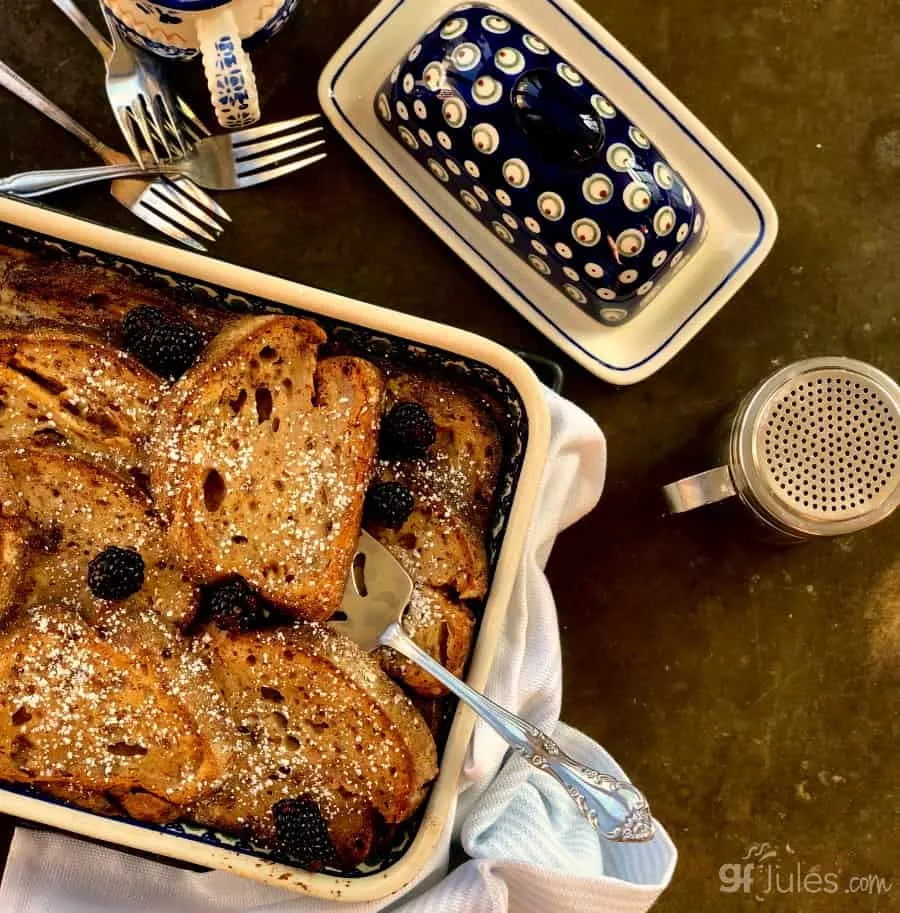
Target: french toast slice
{"type": "Point", "coordinates": [262, 460]}
{"type": "Point", "coordinates": [63, 384]}
{"type": "Point", "coordinates": [442, 543]}
{"type": "Point", "coordinates": [321, 720]}
{"type": "Point", "coordinates": [77, 712]}
{"type": "Point", "coordinates": [183, 664]}
{"type": "Point", "coordinates": [438, 549]}
{"type": "Point", "coordinates": [441, 626]}
{"type": "Point", "coordinates": [78, 508]}
{"type": "Point", "coordinates": [462, 466]}
{"type": "Point", "coordinates": [36, 290]}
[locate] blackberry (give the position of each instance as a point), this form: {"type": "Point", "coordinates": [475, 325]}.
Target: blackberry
{"type": "Point", "coordinates": [116, 573]}
{"type": "Point", "coordinates": [389, 503]}
{"type": "Point", "coordinates": [234, 606]}
{"type": "Point", "coordinates": [407, 431]}
{"type": "Point", "coordinates": [301, 832]}
{"type": "Point", "coordinates": [167, 347]}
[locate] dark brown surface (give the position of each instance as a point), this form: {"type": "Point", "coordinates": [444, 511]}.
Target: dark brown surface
{"type": "Point", "coordinates": [750, 691]}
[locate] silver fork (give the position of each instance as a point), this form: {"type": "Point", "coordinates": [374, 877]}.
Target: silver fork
{"type": "Point", "coordinates": [171, 211]}
{"type": "Point", "coordinates": [229, 162]}
{"type": "Point", "coordinates": [139, 95]}
{"type": "Point", "coordinates": [191, 125]}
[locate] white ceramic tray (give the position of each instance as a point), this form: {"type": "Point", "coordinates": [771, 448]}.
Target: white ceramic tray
{"type": "Point", "coordinates": [23, 224]}
{"type": "Point", "coordinates": [742, 223]}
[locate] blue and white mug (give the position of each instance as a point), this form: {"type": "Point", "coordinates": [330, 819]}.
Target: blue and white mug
{"type": "Point", "coordinates": [215, 29]}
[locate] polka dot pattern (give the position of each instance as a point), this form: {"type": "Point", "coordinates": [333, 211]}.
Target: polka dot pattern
{"type": "Point", "coordinates": [607, 234]}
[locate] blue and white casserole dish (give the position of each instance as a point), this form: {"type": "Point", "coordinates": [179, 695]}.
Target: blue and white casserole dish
{"type": "Point", "coordinates": [372, 332]}
{"type": "Point", "coordinates": [544, 159]}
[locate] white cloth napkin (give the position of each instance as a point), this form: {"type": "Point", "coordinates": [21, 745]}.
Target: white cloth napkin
{"type": "Point", "coordinates": [528, 848]}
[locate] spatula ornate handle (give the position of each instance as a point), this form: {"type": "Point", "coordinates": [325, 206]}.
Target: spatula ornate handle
{"type": "Point", "coordinates": [598, 796]}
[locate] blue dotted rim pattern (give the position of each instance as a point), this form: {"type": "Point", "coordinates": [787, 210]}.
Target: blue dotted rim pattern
{"type": "Point", "coordinates": [500, 278]}
{"type": "Point", "coordinates": [506, 404]}
{"type": "Point", "coordinates": [608, 234]}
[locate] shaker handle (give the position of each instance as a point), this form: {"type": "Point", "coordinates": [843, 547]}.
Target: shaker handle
{"type": "Point", "coordinates": [229, 73]}
{"type": "Point", "coordinates": [696, 491]}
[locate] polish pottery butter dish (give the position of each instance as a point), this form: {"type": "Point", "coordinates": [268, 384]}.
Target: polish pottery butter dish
{"type": "Point", "coordinates": [542, 152]}
{"type": "Point", "coordinates": [546, 161]}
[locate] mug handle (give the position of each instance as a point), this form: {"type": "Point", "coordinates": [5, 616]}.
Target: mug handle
{"type": "Point", "coordinates": [229, 74]}
{"type": "Point", "coordinates": [697, 491]}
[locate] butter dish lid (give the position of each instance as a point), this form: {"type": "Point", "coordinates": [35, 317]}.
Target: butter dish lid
{"type": "Point", "coordinates": [741, 223]}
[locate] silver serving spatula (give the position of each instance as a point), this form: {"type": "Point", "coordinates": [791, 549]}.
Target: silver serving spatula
{"type": "Point", "coordinates": [377, 593]}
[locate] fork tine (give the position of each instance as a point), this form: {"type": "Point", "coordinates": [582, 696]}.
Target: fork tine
{"type": "Point", "coordinates": [243, 152]}
{"type": "Point", "coordinates": [190, 117]}
{"type": "Point", "coordinates": [123, 118]}
{"type": "Point", "coordinates": [187, 186]}
{"type": "Point", "coordinates": [167, 228]}
{"type": "Point", "coordinates": [260, 177]}
{"type": "Point", "coordinates": [162, 206]}
{"type": "Point", "coordinates": [193, 136]}
{"type": "Point", "coordinates": [137, 114]}
{"type": "Point", "coordinates": [264, 161]}
{"type": "Point", "coordinates": [155, 125]}
{"type": "Point", "coordinates": [244, 136]}
{"type": "Point", "coordinates": [185, 202]}
{"type": "Point", "coordinates": [171, 127]}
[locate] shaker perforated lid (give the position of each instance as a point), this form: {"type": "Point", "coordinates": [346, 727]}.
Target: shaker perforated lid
{"type": "Point", "coordinates": [817, 447]}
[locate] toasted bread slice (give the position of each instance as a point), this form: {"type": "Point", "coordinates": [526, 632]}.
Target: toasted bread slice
{"type": "Point", "coordinates": [442, 627]}
{"type": "Point", "coordinates": [438, 549]}
{"type": "Point", "coordinates": [461, 469]}
{"type": "Point", "coordinates": [262, 461]}
{"type": "Point", "coordinates": [320, 719]}
{"type": "Point", "coordinates": [68, 385]}
{"type": "Point", "coordinates": [78, 509]}
{"type": "Point", "coordinates": [75, 711]}
{"type": "Point", "coordinates": [183, 664]}
{"type": "Point", "coordinates": [37, 290]}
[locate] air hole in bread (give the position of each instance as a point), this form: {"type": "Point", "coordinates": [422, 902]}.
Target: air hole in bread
{"type": "Point", "coordinates": [408, 541]}
{"type": "Point", "coordinates": [238, 402]}
{"type": "Point", "coordinates": [21, 716]}
{"type": "Point", "coordinates": [267, 353]}
{"type": "Point", "coordinates": [290, 578]}
{"type": "Point", "coordinates": [124, 750]}
{"type": "Point", "coordinates": [251, 659]}
{"type": "Point", "coordinates": [214, 490]}
{"type": "Point", "coordinates": [291, 742]}
{"type": "Point", "coordinates": [263, 404]}
{"type": "Point", "coordinates": [271, 694]}
{"type": "Point", "coordinates": [319, 725]}
{"type": "Point", "coordinates": [239, 540]}
{"type": "Point", "coordinates": [235, 444]}
{"type": "Point", "coordinates": [288, 385]}
{"type": "Point", "coordinates": [276, 424]}
{"type": "Point", "coordinates": [278, 720]}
